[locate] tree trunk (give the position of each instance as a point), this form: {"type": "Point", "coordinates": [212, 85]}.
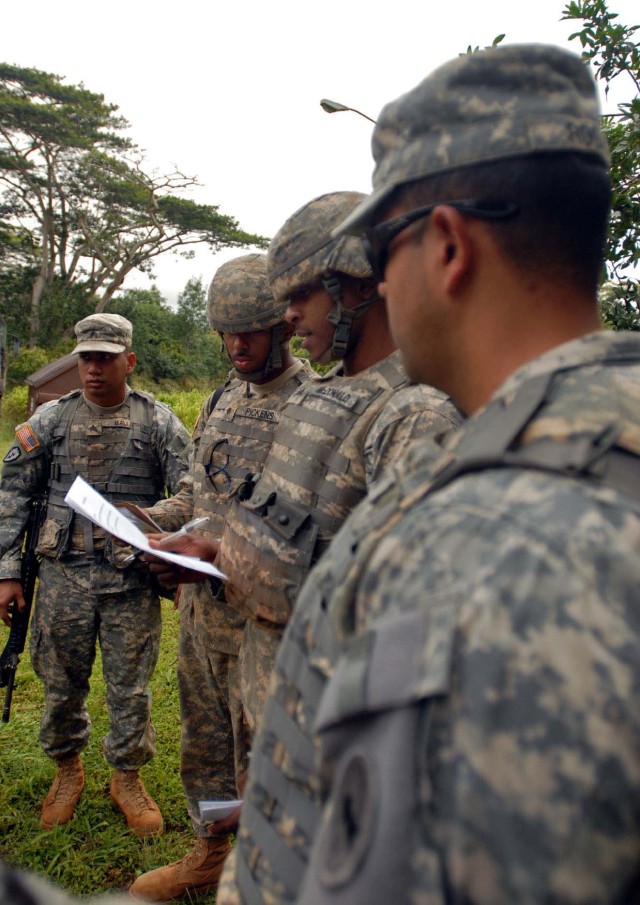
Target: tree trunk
{"type": "Point", "coordinates": [41, 280]}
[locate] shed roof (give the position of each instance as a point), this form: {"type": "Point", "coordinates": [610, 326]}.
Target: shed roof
{"type": "Point", "coordinates": [59, 366]}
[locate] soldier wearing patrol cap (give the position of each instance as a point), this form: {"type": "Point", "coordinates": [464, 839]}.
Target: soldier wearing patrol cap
{"type": "Point", "coordinates": [231, 439]}
{"type": "Point", "coordinates": [465, 657]}
{"type": "Point", "coordinates": [131, 448]}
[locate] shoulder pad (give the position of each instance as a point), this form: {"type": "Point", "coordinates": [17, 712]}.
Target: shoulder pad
{"type": "Point", "coordinates": [72, 394]}
{"type": "Point", "coordinates": [144, 395]}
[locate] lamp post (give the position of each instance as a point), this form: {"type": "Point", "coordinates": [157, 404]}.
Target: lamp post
{"type": "Point", "coordinates": [335, 107]}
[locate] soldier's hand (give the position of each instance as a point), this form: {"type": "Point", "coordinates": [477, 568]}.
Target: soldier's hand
{"type": "Point", "coordinates": [190, 544]}
{"type": "Point", "coordinates": [228, 825]}
{"type": "Point", "coordinates": [10, 590]}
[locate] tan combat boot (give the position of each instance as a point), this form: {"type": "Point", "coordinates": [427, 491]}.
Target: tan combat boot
{"type": "Point", "coordinates": [197, 873]}
{"type": "Point", "coordinates": [64, 794]}
{"type": "Point", "coordinates": [142, 813]}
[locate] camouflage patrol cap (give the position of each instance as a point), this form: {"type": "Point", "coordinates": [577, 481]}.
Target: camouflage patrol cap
{"type": "Point", "coordinates": [240, 300]}
{"type": "Point", "coordinates": [103, 333]}
{"type": "Point", "coordinates": [500, 103]}
{"type": "Point", "coordinates": [303, 249]}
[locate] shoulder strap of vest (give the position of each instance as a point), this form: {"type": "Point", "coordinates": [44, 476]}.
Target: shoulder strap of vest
{"type": "Point", "coordinates": [67, 405]}
{"type": "Point", "coordinates": [595, 455]}
{"type": "Point", "coordinates": [213, 399]}
{"type": "Point", "coordinates": [141, 407]}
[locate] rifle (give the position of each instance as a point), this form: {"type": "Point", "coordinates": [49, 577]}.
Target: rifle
{"type": "Point", "coordinates": [10, 657]}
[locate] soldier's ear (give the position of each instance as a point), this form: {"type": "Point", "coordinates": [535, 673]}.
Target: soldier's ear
{"type": "Point", "coordinates": [451, 239]}
{"type": "Point", "coordinates": [288, 331]}
{"type": "Point", "coordinates": [131, 362]}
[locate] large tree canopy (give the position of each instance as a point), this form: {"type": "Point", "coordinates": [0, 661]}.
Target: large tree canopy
{"type": "Point", "coordinates": [77, 206]}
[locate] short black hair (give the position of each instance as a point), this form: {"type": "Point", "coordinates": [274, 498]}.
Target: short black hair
{"type": "Point", "coordinates": [563, 199]}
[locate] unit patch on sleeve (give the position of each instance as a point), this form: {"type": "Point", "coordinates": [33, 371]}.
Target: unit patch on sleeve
{"type": "Point", "coordinates": [27, 439]}
{"type": "Point", "coordinates": [13, 454]}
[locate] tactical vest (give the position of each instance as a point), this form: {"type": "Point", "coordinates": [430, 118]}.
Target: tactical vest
{"type": "Point", "coordinates": [113, 452]}
{"type": "Point", "coordinates": [282, 807]}
{"type": "Point", "coordinates": [234, 443]}
{"type": "Point", "coordinates": [313, 477]}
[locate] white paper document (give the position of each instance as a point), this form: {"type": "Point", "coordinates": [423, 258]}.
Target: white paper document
{"type": "Point", "coordinates": [210, 811]}
{"type": "Point", "coordinates": [85, 499]}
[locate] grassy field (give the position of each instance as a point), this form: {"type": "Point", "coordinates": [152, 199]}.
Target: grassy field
{"type": "Point", "coordinates": [94, 851]}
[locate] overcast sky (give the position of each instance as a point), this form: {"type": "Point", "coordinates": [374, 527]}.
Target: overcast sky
{"type": "Point", "coordinates": [230, 91]}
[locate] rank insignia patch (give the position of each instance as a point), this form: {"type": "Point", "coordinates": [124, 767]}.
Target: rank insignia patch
{"type": "Point", "coordinates": [26, 438]}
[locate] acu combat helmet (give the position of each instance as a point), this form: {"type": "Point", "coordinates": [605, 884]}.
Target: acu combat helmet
{"type": "Point", "coordinates": [240, 301]}
{"type": "Point", "coordinates": [304, 253]}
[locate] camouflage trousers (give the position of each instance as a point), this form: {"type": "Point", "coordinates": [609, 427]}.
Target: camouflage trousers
{"type": "Point", "coordinates": [215, 739]}
{"type": "Point", "coordinates": [256, 660]}
{"type": "Point", "coordinates": [74, 611]}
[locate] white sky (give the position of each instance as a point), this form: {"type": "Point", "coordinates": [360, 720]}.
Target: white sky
{"type": "Point", "coordinates": [230, 91]}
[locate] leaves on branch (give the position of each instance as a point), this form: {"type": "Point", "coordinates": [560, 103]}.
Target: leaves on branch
{"type": "Point", "coordinates": [76, 198]}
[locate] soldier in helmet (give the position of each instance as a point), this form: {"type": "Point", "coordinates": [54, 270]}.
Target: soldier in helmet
{"type": "Point", "coordinates": [336, 435]}
{"type": "Point", "coordinates": [457, 716]}
{"type": "Point", "coordinates": [131, 448]}
{"type": "Point", "coordinates": [334, 438]}
{"type": "Point", "coordinates": [231, 439]}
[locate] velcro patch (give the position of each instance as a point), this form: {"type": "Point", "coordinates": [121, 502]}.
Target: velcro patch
{"type": "Point", "coordinates": [26, 438]}
{"type": "Point", "coordinates": [13, 454]}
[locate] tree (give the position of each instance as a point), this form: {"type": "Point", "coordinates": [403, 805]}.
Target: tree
{"type": "Point", "coordinates": [192, 305]}
{"type": "Point", "coordinates": [614, 53]}
{"type": "Point", "coordinates": [167, 346]}
{"type": "Point", "coordinates": [76, 203]}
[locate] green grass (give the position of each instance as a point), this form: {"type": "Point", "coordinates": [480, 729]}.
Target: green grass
{"type": "Point", "coordinates": [94, 852]}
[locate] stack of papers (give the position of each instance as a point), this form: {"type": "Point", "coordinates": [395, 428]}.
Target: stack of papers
{"type": "Point", "coordinates": [85, 500]}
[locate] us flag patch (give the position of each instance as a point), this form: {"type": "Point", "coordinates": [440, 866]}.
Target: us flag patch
{"type": "Point", "coordinates": [26, 438]}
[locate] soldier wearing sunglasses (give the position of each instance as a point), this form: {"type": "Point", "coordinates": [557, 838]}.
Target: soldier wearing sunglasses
{"type": "Point", "coordinates": [456, 716]}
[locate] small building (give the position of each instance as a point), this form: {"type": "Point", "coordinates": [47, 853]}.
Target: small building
{"type": "Point", "coordinates": [52, 381]}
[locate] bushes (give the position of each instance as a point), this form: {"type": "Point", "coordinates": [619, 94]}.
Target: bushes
{"type": "Point", "coordinates": [27, 362]}
{"type": "Point", "coordinates": [186, 405]}
{"type": "Point", "coordinates": [14, 408]}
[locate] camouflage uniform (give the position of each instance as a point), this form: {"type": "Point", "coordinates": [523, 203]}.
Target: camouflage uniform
{"type": "Point", "coordinates": [229, 440]}
{"type": "Point", "coordinates": [452, 715]}
{"type": "Point", "coordinates": [129, 452]}
{"type": "Point", "coordinates": [210, 630]}
{"type": "Point", "coordinates": [335, 437]}
{"type": "Point", "coordinates": [485, 575]}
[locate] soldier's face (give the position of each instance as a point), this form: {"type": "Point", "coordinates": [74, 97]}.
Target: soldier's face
{"type": "Point", "coordinates": [307, 313]}
{"type": "Point", "coordinates": [413, 317]}
{"type": "Point", "coordinates": [103, 376]}
{"type": "Point", "coordinates": [249, 352]}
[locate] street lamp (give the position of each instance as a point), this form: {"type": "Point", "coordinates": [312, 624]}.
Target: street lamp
{"type": "Point", "coordinates": [334, 107]}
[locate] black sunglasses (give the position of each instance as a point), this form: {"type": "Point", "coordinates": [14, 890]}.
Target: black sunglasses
{"type": "Point", "coordinates": [376, 239]}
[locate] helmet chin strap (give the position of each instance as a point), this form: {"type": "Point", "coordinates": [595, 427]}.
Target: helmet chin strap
{"type": "Point", "coordinates": [342, 318]}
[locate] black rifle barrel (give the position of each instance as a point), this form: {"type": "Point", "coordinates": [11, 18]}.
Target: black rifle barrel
{"type": "Point", "coordinates": [10, 657]}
